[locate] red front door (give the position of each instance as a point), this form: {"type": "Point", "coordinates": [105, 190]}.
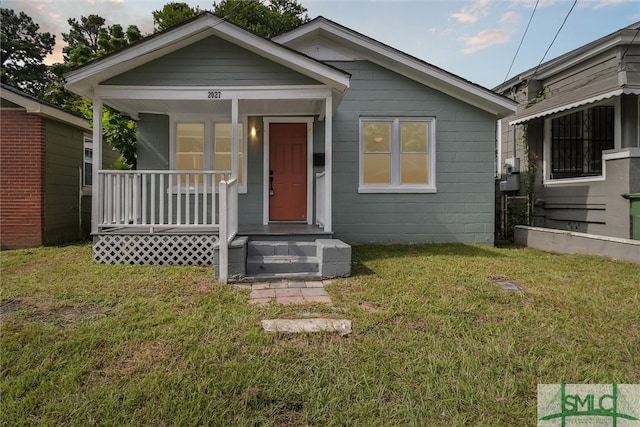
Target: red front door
{"type": "Point", "coordinates": [288, 172]}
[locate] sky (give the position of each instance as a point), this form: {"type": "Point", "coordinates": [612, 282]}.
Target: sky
{"type": "Point", "coordinates": [475, 39]}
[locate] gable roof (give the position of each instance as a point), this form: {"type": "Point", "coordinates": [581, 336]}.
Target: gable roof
{"type": "Point", "coordinates": [84, 79]}
{"type": "Point", "coordinates": [627, 35]}
{"type": "Point", "coordinates": [36, 105]}
{"type": "Point", "coordinates": [401, 63]}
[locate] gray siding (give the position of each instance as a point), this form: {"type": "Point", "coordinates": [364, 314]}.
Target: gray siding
{"type": "Point", "coordinates": [63, 169]}
{"type": "Point", "coordinates": [631, 64]}
{"type": "Point", "coordinates": [153, 142]}
{"type": "Point", "coordinates": [463, 208]}
{"type": "Point", "coordinates": [250, 204]}
{"type": "Point", "coordinates": [211, 62]}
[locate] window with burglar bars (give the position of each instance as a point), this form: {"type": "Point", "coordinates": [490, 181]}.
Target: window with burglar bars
{"type": "Point", "coordinates": [577, 142]}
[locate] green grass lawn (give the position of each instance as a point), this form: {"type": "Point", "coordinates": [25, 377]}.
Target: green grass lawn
{"type": "Point", "coordinates": [435, 342]}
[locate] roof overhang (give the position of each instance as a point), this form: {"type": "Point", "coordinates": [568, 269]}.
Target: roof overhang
{"type": "Point", "coordinates": [86, 80]}
{"type": "Point", "coordinates": [34, 106]}
{"type": "Point", "coordinates": [403, 64]}
{"type": "Point", "coordinates": [578, 103]}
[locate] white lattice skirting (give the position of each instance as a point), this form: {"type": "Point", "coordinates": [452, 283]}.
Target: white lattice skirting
{"type": "Point", "coordinates": [147, 249]}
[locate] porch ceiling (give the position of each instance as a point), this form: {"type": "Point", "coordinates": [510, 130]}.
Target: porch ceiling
{"type": "Point", "coordinates": [252, 107]}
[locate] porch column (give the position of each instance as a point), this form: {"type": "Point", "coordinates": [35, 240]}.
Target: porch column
{"type": "Point", "coordinates": [234, 138]}
{"type": "Point", "coordinates": [328, 168]}
{"type": "Point", "coordinates": [97, 165]}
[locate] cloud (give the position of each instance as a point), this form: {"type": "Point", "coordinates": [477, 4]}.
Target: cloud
{"type": "Point", "coordinates": [487, 38]}
{"type": "Point", "coordinates": [484, 39]}
{"type": "Point", "coordinates": [472, 13]}
{"type": "Point", "coordinates": [464, 17]}
{"type": "Point", "coordinates": [510, 18]}
{"type": "Point", "coordinates": [607, 3]}
{"type": "Point", "coordinates": [530, 4]}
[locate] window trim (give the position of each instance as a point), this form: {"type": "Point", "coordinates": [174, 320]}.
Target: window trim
{"type": "Point", "coordinates": [209, 121]}
{"type": "Point", "coordinates": [546, 163]}
{"type": "Point", "coordinates": [396, 186]}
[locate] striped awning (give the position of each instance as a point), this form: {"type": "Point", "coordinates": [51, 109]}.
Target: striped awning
{"type": "Point", "coordinates": [574, 104]}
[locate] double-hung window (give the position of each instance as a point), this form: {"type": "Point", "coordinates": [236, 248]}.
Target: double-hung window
{"type": "Point", "coordinates": [87, 163]}
{"type": "Point", "coordinates": [397, 155]}
{"type": "Point", "coordinates": [206, 145]}
{"type": "Point", "coordinates": [577, 140]}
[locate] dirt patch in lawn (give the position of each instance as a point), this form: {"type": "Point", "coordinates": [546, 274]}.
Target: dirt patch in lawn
{"type": "Point", "coordinates": [63, 315]}
{"type": "Point", "coordinates": [136, 358]}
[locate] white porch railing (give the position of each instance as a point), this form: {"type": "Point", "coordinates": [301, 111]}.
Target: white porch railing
{"type": "Point", "coordinates": [228, 224]}
{"type": "Point", "coordinates": [154, 199]}
{"type": "Point", "coordinates": [320, 199]}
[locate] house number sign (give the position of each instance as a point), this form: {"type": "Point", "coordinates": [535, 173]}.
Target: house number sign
{"type": "Point", "coordinates": [214, 94]}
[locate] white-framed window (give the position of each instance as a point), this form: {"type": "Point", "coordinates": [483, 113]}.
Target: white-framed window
{"type": "Point", "coordinates": [199, 143]}
{"type": "Point", "coordinates": [397, 155]}
{"type": "Point", "coordinates": [575, 141]}
{"type": "Point", "coordinates": [87, 162]}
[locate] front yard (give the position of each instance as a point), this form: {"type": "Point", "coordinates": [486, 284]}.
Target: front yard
{"type": "Point", "coordinates": [434, 342]}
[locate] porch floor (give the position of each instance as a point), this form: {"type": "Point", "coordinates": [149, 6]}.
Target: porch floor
{"type": "Point", "coordinates": [276, 229]}
{"type": "Point", "coordinates": [281, 229]}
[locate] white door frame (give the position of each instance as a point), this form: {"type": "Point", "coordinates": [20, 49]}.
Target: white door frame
{"type": "Point", "coordinates": [265, 173]}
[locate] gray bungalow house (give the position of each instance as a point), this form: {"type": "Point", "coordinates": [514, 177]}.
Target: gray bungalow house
{"type": "Point", "coordinates": [320, 132]}
{"type": "Point", "coordinates": [573, 147]}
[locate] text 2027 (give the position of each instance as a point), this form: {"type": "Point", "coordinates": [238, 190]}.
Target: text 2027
{"type": "Point", "coordinates": [215, 94]}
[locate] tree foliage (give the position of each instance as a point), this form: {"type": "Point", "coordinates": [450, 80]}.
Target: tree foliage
{"type": "Point", "coordinates": [172, 14]}
{"type": "Point", "coordinates": [276, 17]}
{"type": "Point", "coordinates": [23, 49]}
{"type": "Point", "coordinates": [88, 39]}
{"type": "Point", "coordinates": [91, 38]}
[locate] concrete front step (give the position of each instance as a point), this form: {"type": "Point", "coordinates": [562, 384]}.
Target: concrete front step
{"type": "Point", "coordinates": [276, 277]}
{"type": "Point", "coordinates": [284, 247]}
{"type": "Point", "coordinates": [281, 264]}
{"type": "Point", "coordinates": [251, 259]}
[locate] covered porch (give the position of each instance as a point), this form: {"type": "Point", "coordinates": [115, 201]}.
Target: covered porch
{"type": "Point", "coordinates": [177, 216]}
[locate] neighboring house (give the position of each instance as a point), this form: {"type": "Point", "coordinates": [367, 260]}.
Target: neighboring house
{"type": "Point", "coordinates": [45, 172]}
{"type": "Point", "coordinates": [322, 126]}
{"type": "Point", "coordinates": [576, 137]}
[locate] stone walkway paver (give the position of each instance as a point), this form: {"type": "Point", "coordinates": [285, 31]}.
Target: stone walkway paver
{"type": "Point", "coordinates": [287, 292]}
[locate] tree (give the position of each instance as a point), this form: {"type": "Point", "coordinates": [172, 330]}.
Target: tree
{"type": "Point", "coordinates": [23, 51]}
{"type": "Point", "coordinates": [277, 17]}
{"type": "Point", "coordinates": [172, 14]}
{"type": "Point", "coordinates": [89, 39]}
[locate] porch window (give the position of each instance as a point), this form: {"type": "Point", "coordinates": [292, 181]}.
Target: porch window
{"type": "Point", "coordinates": [87, 164]}
{"type": "Point", "coordinates": [206, 146]}
{"type": "Point", "coordinates": [190, 146]}
{"type": "Point", "coordinates": [397, 155]}
{"type": "Point", "coordinates": [577, 142]}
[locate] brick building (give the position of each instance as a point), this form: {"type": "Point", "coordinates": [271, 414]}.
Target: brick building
{"type": "Point", "coordinates": [45, 169]}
